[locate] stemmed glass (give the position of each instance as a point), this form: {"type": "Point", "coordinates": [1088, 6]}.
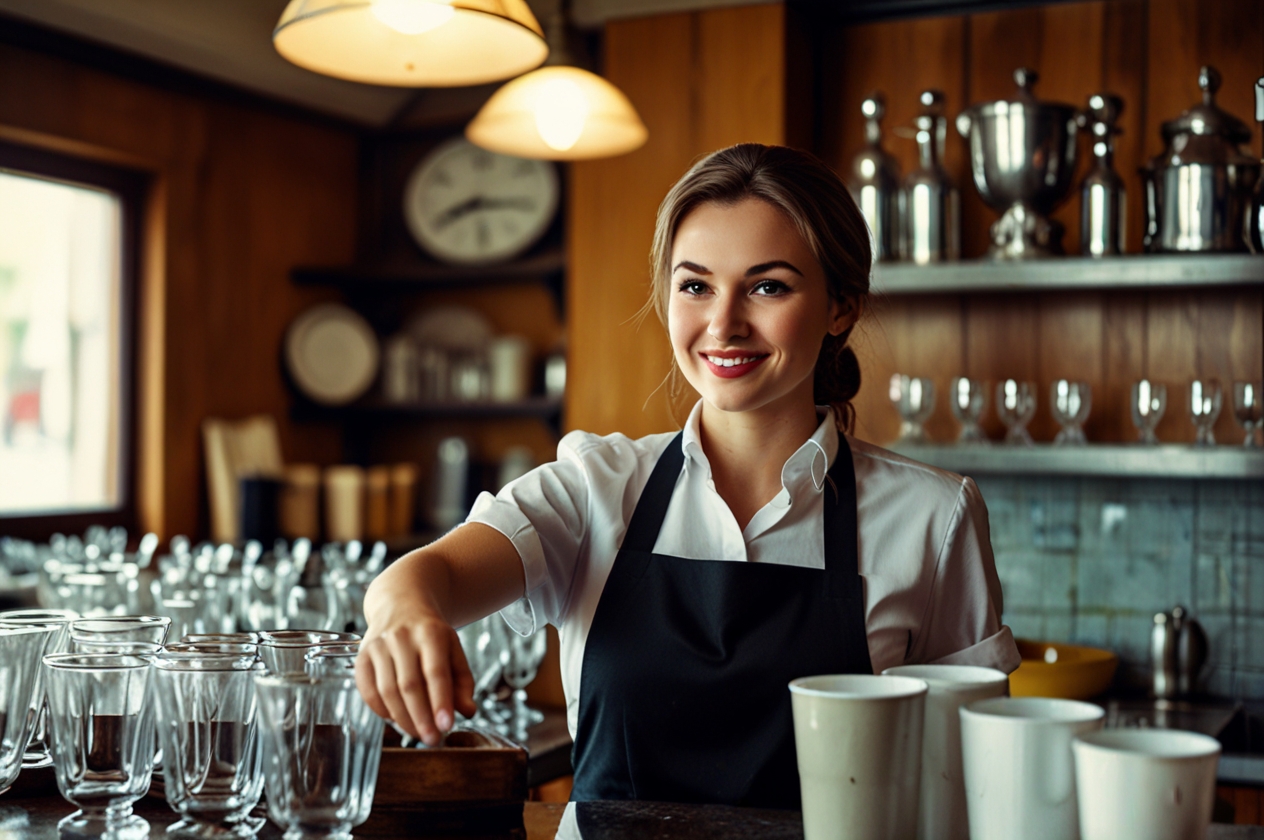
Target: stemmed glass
{"type": "Point", "coordinates": [968, 400]}
{"type": "Point", "coordinates": [525, 655]}
{"type": "Point", "coordinates": [1070, 401]}
{"type": "Point", "coordinates": [1204, 407]}
{"type": "Point", "coordinates": [486, 648]}
{"type": "Point", "coordinates": [1149, 401]}
{"type": "Point", "coordinates": [914, 399]}
{"type": "Point", "coordinates": [1016, 405]}
{"type": "Point", "coordinates": [1248, 409]}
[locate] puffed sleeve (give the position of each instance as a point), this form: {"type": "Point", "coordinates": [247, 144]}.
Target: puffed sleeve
{"type": "Point", "coordinates": [963, 619]}
{"type": "Point", "coordinates": [545, 515]}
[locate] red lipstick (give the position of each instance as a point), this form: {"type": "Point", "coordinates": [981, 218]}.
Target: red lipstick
{"type": "Point", "coordinates": [736, 370]}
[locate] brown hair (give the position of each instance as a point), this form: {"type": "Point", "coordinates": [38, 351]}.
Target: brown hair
{"type": "Point", "coordinates": [817, 202]}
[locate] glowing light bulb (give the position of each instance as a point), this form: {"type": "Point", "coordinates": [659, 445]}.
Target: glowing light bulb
{"type": "Point", "coordinates": [412, 17]}
{"type": "Point", "coordinates": [561, 110]}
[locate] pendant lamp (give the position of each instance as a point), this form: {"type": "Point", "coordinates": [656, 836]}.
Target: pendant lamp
{"type": "Point", "coordinates": [412, 43]}
{"type": "Point", "coordinates": [558, 112]}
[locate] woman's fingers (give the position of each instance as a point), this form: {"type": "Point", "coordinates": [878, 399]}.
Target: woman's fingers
{"type": "Point", "coordinates": [463, 679]}
{"type": "Point", "coordinates": [386, 681]}
{"type": "Point", "coordinates": [436, 661]}
{"type": "Point", "coordinates": [414, 687]}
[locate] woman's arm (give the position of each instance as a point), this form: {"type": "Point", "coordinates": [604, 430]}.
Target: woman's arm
{"type": "Point", "coordinates": [411, 668]}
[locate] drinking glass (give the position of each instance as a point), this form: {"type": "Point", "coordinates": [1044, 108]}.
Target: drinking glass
{"type": "Point", "coordinates": [1016, 405]}
{"type": "Point", "coordinates": [243, 638]}
{"type": "Point", "coordinates": [103, 727]}
{"type": "Point", "coordinates": [486, 648]}
{"type": "Point", "coordinates": [205, 709]}
{"type": "Point", "coordinates": [914, 400]}
{"type": "Point", "coordinates": [123, 628]}
{"type": "Point", "coordinates": [22, 648]}
{"type": "Point", "coordinates": [1149, 401]}
{"type": "Point", "coordinates": [321, 748]}
{"type": "Point", "coordinates": [525, 655]}
{"type": "Point", "coordinates": [37, 754]}
{"type": "Point", "coordinates": [1070, 402]}
{"type": "Point", "coordinates": [968, 400]}
{"type": "Point", "coordinates": [1248, 409]}
{"type": "Point", "coordinates": [285, 651]}
{"type": "Point", "coordinates": [332, 660]}
{"type": "Point", "coordinates": [1204, 407]}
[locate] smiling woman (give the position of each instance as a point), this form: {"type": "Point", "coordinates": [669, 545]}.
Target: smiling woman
{"type": "Point", "coordinates": [693, 575]}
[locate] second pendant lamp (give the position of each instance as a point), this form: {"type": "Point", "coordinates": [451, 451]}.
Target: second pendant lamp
{"type": "Point", "coordinates": [558, 112]}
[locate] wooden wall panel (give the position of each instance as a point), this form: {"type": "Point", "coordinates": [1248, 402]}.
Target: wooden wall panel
{"type": "Point", "coordinates": [700, 81]}
{"type": "Point", "coordinates": [240, 195]}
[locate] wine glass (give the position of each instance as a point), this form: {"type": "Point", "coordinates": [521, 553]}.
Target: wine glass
{"type": "Point", "coordinates": [1248, 409]}
{"type": "Point", "coordinates": [1149, 401]}
{"type": "Point", "coordinates": [1204, 407]}
{"type": "Point", "coordinates": [487, 652]}
{"type": "Point", "coordinates": [968, 400]}
{"type": "Point", "coordinates": [1071, 401]}
{"type": "Point", "coordinates": [1016, 405]}
{"type": "Point", "coordinates": [525, 655]}
{"type": "Point", "coordinates": [914, 399]}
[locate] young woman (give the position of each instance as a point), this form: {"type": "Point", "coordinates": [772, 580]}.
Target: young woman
{"type": "Point", "coordinates": [692, 575]}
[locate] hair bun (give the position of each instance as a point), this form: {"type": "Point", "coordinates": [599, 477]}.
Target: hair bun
{"type": "Point", "coordinates": [837, 378]}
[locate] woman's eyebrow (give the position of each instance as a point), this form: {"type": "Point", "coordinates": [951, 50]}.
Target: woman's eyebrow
{"type": "Point", "coordinates": [692, 266]}
{"type": "Point", "coordinates": [762, 267]}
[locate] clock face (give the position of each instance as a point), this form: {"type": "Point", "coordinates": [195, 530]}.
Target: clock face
{"type": "Point", "coordinates": [467, 205]}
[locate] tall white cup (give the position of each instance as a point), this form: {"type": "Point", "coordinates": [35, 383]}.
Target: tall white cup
{"type": "Point", "coordinates": [1145, 784]}
{"type": "Point", "coordinates": [942, 814]}
{"type": "Point", "coordinates": [859, 744]}
{"type": "Point", "coordinates": [1016, 752]}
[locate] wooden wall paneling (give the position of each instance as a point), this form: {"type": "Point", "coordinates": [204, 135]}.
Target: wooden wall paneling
{"type": "Point", "coordinates": [1122, 363]}
{"type": "Point", "coordinates": [1124, 72]}
{"type": "Point", "coordinates": [1071, 347]}
{"type": "Point", "coordinates": [1172, 356]}
{"type": "Point", "coordinates": [739, 77]}
{"type": "Point", "coordinates": [1002, 341]}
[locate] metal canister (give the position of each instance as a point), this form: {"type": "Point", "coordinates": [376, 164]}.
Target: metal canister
{"type": "Point", "coordinates": [1198, 191]}
{"type": "Point", "coordinates": [1255, 218]}
{"type": "Point", "coordinates": [1102, 205]}
{"type": "Point", "coordinates": [930, 205]}
{"type": "Point", "coordinates": [874, 182]}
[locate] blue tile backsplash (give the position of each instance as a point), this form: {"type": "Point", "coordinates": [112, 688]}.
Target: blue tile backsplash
{"type": "Point", "coordinates": [1091, 561]}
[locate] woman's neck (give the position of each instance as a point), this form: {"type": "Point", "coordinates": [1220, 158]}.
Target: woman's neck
{"type": "Point", "coordinates": [747, 450]}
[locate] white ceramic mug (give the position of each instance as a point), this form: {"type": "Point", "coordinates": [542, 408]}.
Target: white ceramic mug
{"type": "Point", "coordinates": [942, 814]}
{"type": "Point", "coordinates": [1145, 784]}
{"type": "Point", "coordinates": [1020, 779]}
{"type": "Point", "coordinates": [859, 744]}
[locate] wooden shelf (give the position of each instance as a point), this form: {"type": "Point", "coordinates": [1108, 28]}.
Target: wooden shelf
{"type": "Point", "coordinates": [545, 408]}
{"type": "Point", "coordinates": [1101, 460]}
{"type": "Point", "coordinates": [1117, 273]}
{"type": "Point", "coordinates": [412, 277]}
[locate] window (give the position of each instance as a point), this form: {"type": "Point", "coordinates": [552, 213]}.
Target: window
{"type": "Point", "coordinates": [67, 265]}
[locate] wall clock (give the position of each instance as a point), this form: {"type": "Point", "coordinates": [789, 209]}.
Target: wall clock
{"type": "Point", "coordinates": [469, 206]}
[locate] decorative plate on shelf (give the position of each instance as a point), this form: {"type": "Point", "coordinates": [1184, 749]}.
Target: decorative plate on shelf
{"type": "Point", "coordinates": [469, 206]}
{"type": "Point", "coordinates": [332, 354]}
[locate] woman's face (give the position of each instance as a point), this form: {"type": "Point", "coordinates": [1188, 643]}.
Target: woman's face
{"type": "Point", "coordinates": [749, 307]}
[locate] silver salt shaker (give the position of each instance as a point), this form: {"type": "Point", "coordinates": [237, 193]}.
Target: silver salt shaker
{"type": "Point", "coordinates": [1102, 203]}
{"type": "Point", "coordinates": [874, 182]}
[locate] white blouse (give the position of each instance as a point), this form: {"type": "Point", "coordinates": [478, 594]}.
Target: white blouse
{"type": "Point", "coordinates": [931, 589]}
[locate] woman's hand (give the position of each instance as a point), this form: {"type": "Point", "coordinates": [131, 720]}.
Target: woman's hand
{"type": "Point", "coordinates": [414, 673]}
{"type": "Point", "coordinates": [411, 668]}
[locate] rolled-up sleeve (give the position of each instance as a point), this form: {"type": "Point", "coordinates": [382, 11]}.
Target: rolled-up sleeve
{"type": "Point", "coordinates": [544, 514]}
{"type": "Point", "coordinates": [962, 625]}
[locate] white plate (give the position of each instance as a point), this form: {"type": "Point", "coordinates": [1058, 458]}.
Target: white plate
{"type": "Point", "coordinates": [332, 354]}
{"type": "Point", "coordinates": [454, 328]}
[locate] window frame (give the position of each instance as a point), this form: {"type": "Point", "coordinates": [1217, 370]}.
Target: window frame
{"type": "Point", "coordinates": [132, 188]}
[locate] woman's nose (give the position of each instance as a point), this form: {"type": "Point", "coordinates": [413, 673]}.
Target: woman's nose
{"type": "Point", "coordinates": [728, 318]}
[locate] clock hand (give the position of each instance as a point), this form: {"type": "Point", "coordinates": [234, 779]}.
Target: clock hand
{"type": "Point", "coordinates": [456, 211]}
{"type": "Point", "coordinates": [508, 204]}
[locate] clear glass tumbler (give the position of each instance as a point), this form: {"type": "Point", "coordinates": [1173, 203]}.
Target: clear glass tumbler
{"type": "Point", "coordinates": [22, 648]}
{"type": "Point", "coordinates": [1016, 405]}
{"type": "Point", "coordinates": [1205, 400]}
{"type": "Point", "coordinates": [285, 651]}
{"type": "Point", "coordinates": [102, 726]}
{"type": "Point", "coordinates": [206, 722]}
{"type": "Point", "coordinates": [914, 400]}
{"type": "Point", "coordinates": [968, 400]}
{"type": "Point", "coordinates": [37, 753]}
{"type": "Point", "coordinates": [321, 748]}
{"type": "Point", "coordinates": [1149, 401]}
{"type": "Point", "coordinates": [1070, 402]}
{"type": "Point", "coordinates": [121, 628]}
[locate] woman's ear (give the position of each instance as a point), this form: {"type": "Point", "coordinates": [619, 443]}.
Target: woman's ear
{"type": "Point", "coordinates": [843, 314]}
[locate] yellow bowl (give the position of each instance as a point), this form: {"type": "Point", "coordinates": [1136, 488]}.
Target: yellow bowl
{"type": "Point", "coordinates": [1050, 669]}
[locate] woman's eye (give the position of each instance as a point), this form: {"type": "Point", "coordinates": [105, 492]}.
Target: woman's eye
{"type": "Point", "coordinates": [770, 287]}
{"type": "Point", "coordinates": [693, 287]}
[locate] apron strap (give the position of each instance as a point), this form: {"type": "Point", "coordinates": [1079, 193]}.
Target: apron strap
{"type": "Point", "coordinates": [651, 510]}
{"type": "Point", "coordinates": [842, 546]}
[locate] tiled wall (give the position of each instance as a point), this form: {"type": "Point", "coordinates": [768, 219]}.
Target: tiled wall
{"type": "Point", "coordinates": [1092, 561]}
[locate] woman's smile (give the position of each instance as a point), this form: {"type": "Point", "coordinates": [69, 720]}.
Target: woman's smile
{"type": "Point", "coordinates": [731, 364]}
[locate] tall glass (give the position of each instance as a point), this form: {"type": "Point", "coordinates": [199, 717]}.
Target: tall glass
{"type": "Point", "coordinates": [321, 748]}
{"type": "Point", "coordinates": [102, 727]}
{"type": "Point", "coordinates": [285, 651]}
{"type": "Point", "coordinates": [37, 753]}
{"type": "Point", "coordinates": [21, 692]}
{"type": "Point", "coordinates": [206, 721]}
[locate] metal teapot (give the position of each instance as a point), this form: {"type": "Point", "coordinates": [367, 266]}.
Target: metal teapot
{"type": "Point", "coordinates": [1178, 652]}
{"type": "Point", "coordinates": [1197, 192]}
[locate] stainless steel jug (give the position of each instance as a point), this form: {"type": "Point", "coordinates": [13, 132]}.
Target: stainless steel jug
{"type": "Point", "coordinates": [1102, 204]}
{"type": "Point", "coordinates": [1255, 219]}
{"type": "Point", "coordinates": [930, 205]}
{"type": "Point", "coordinates": [875, 182]}
{"type": "Point", "coordinates": [1198, 191]}
{"type": "Point", "coordinates": [1178, 651]}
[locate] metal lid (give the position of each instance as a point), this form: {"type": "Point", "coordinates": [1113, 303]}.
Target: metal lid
{"type": "Point", "coordinates": [1024, 97]}
{"type": "Point", "coordinates": [1206, 118]}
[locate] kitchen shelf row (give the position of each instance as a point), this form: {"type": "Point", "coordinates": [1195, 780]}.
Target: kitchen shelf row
{"type": "Point", "coordinates": [1097, 460]}
{"type": "Point", "coordinates": [548, 409]}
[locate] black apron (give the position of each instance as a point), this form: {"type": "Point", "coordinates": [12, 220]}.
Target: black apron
{"type": "Point", "coordinates": [683, 691]}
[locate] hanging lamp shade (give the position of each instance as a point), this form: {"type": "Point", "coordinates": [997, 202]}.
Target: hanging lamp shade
{"type": "Point", "coordinates": [412, 43]}
{"type": "Point", "coordinates": [558, 113]}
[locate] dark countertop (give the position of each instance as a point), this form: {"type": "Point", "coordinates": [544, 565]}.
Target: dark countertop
{"type": "Point", "coordinates": [35, 818]}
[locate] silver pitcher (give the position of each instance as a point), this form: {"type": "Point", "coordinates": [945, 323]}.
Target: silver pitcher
{"type": "Point", "coordinates": [1255, 219]}
{"type": "Point", "coordinates": [1102, 205]}
{"type": "Point", "coordinates": [875, 182]}
{"type": "Point", "coordinates": [1198, 191]}
{"type": "Point", "coordinates": [1178, 652]}
{"type": "Point", "coordinates": [929, 203]}
{"type": "Point", "coordinates": [1022, 155]}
